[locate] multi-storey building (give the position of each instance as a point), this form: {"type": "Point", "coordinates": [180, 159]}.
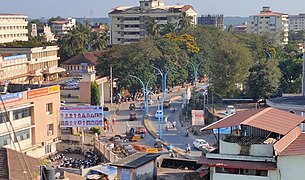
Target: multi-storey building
{"type": "Point", "coordinates": [262, 144]}
{"type": "Point", "coordinates": [29, 64]}
{"type": "Point", "coordinates": [34, 117]}
{"type": "Point", "coordinates": [270, 22]}
{"type": "Point", "coordinates": [13, 27]}
{"type": "Point", "coordinates": [128, 24]}
{"type": "Point", "coordinates": [61, 27]}
{"type": "Point", "coordinates": [297, 22]}
{"type": "Point", "coordinates": [212, 20]}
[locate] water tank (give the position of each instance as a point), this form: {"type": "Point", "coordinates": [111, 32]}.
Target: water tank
{"type": "Point", "coordinates": [48, 173]}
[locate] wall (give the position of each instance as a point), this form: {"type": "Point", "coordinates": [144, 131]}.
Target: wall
{"type": "Point", "coordinates": [146, 171]}
{"type": "Point", "coordinates": [105, 151]}
{"type": "Point", "coordinates": [223, 176]}
{"type": "Point", "coordinates": [291, 167]}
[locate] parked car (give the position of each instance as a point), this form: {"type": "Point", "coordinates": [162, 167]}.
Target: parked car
{"type": "Point", "coordinates": [158, 114]}
{"type": "Point", "coordinates": [167, 103]}
{"type": "Point", "coordinates": [199, 143]}
{"type": "Point", "coordinates": [133, 117]}
{"type": "Point", "coordinates": [71, 86]}
{"type": "Point", "coordinates": [132, 106]}
{"type": "Point", "coordinates": [230, 110]}
{"type": "Point", "coordinates": [140, 130]}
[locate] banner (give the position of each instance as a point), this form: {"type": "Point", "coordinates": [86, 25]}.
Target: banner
{"type": "Point", "coordinates": [81, 116]}
{"type": "Point", "coordinates": [197, 117]}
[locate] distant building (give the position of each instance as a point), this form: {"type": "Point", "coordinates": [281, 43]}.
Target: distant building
{"type": "Point", "coordinates": [128, 23]}
{"type": "Point", "coordinates": [269, 22]}
{"type": "Point", "coordinates": [29, 64]}
{"type": "Point", "coordinates": [297, 22]}
{"type": "Point", "coordinates": [34, 30]}
{"type": "Point", "coordinates": [47, 33]}
{"type": "Point", "coordinates": [100, 28]}
{"type": "Point", "coordinates": [13, 27]}
{"type": "Point", "coordinates": [212, 20]}
{"type": "Point", "coordinates": [240, 29]}
{"type": "Point", "coordinates": [61, 27]}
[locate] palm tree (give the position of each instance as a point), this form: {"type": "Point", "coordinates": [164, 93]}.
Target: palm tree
{"type": "Point", "coordinates": [185, 21]}
{"type": "Point", "coordinates": [98, 41]}
{"type": "Point", "coordinates": [152, 27]}
{"type": "Point", "coordinates": [168, 28]}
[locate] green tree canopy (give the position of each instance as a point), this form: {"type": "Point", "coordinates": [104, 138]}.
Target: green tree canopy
{"type": "Point", "coordinates": [95, 94]}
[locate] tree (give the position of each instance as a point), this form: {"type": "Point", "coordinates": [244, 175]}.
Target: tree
{"type": "Point", "coordinates": [264, 79]}
{"type": "Point", "coordinates": [168, 28]}
{"type": "Point", "coordinates": [152, 26]}
{"type": "Point", "coordinates": [54, 19]}
{"type": "Point", "coordinates": [98, 41]}
{"type": "Point", "coordinates": [95, 94]}
{"type": "Point", "coordinates": [185, 22]}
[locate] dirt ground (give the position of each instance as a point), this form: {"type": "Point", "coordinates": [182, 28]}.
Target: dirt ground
{"type": "Point", "coordinates": [171, 174]}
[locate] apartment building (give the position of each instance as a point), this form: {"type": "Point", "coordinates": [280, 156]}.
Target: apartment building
{"type": "Point", "coordinates": [128, 23]}
{"type": "Point", "coordinates": [263, 144]}
{"type": "Point", "coordinates": [270, 22]}
{"type": "Point", "coordinates": [297, 22]}
{"type": "Point", "coordinates": [13, 27]}
{"type": "Point", "coordinates": [212, 20]}
{"type": "Point", "coordinates": [30, 64]}
{"type": "Point", "coordinates": [61, 27]}
{"type": "Point", "coordinates": [34, 116]}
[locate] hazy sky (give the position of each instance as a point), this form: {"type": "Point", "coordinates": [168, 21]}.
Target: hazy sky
{"type": "Point", "coordinates": [100, 8]}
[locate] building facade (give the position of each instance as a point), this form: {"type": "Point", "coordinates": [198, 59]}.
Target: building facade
{"type": "Point", "coordinates": [13, 27]}
{"type": "Point", "coordinates": [34, 118]}
{"type": "Point", "coordinates": [30, 64]}
{"type": "Point", "coordinates": [297, 22]}
{"type": "Point", "coordinates": [128, 24]}
{"type": "Point", "coordinates": [270, 22]}
{"type": "Point", "coordinates": [212, 20]}
{"type": "Point", "coordinates": [61, 27]}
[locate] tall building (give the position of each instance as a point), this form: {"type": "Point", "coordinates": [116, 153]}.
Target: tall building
{"type": "Point", "coordinates": [297, 22]}
{"type": "Point", "coordinates": [270, 22]}
{"type": "Point", "coordinates": [29, 64]}
{"type": "Point", "coordinates": [262, 144]}
{"type": "Point", "coordinates": [128, 23]}
{"type": "Point", "coordinates": [13, 27]}
{"type": "Point", "coordinates": [34, 117]}
{"type": "Point", "coordinates": [212, 20]}
{"type": "Point", "coordinates": [61, 27]}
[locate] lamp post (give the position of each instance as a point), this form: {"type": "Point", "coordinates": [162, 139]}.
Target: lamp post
{"type": "Point", "coordinates": [163, 77]}
{"type": "Point", "coordinates": [145, 89]}
{"type": "Point", "coordinates": [159, 117]}
{"type": "Point", "coordinates": [195, 67]}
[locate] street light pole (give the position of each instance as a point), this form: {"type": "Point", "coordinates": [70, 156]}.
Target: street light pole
{"type": "Point", "coordinates": [111, 86]}
{"type": "Point", "coordinates": [195, 67]}
{"type": "Point", "coordinates": [159, 117]}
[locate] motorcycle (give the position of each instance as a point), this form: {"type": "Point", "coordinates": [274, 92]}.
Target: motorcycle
{"type": "Point", "coordinates": [187, 134]}
{"type": "Point", "coordinates": [188, 149]}
{"type": "Point", "coordinates": [172, 154]}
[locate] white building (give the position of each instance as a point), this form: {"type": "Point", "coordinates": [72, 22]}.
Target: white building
{"type": "Point", "coordinates": [13, 27]}
{"type": "Point", "coordinates": [61, 27]}
{"type": "Point", "coordinates": [297, 22]}
{"type": "Point", "coordinates": [269, 22]}
{"type": "Point", "coordinates": [264, 144]}
{"type": "Point", "coordinates": [128, 23]}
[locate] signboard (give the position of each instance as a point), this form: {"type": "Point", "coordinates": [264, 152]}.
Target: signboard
{"type": "Point", "coordinates": [8, 98]}
{"type": "Point", "coordinates": [222, 130]}
{"type": "Point", "coordinates": [197, 117]}
{"type": "Point", "coordinates": [43, 91]}
{"type": "Point", "coordinates": [152, 150]}
{"type": "Point", "coordinates": [81, 116]}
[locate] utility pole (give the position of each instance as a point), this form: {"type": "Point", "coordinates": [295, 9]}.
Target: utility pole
{"type": "Point", "coordinates": [111, 86]}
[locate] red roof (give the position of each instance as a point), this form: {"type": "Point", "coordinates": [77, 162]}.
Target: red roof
{"type": "Point", "coordinates": [297, 147]}
{"type": "Point", "coordinates": [269, 119]}
{"type": "Point", "coordinates": [60, 22]}
{"type": "Point", "coordinates": [237, 164]}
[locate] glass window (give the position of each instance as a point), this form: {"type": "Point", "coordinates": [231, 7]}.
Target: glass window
{"type": "Point", "coordinates": [4, 140]}
{"type": "Point", "coordinates": [3, 117]}
{"type": "Point", "coordinates": [47, 149]}
{"type": "Point", "coordinates": [49, 108]}
{"type": "Point", "coordinates": [21, 113]}
{"type": "Point", "coordinates": [50, 129]}
{"type": "Point", "coordinates": [23, 135]}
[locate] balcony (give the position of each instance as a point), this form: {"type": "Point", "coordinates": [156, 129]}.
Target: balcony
{"type": "Point", "coordinates": [131, 29]}
{"type": "Point", "coordinates": [220, 176]}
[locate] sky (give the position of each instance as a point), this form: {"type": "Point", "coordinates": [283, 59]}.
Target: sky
{"type": "Point", "coordinates": [100, 8]}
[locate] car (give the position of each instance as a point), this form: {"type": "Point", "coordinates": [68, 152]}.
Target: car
{"type": "Point", "coordinates": [71, 86]}
{"type": "Point", "coordinates": [166, 103]}
{"type": "Point", "coordinates": [132, 106]}
{"type": "Point", "coordinates": [62, 103]}
{"type": "Point", "coordinates": [158, 114]}
{"type": "Point", "coordinates": [140, 130]}
{"type": "Point", "coordinates": [133, 117]}
{"type": "Point", "coordinates": [230, 110]}
{"type": "Point", "coordinates": [199, 143]}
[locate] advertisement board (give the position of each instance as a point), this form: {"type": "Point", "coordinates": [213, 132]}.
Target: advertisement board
{"type": "Point", "coordinates": [197, 117]}
{"type": "Point", "coordinates": [43, 91]}
{"type": "Point", "coordinates": [81, 116]}
{"type": "Point", "coordinates": [8, 98]}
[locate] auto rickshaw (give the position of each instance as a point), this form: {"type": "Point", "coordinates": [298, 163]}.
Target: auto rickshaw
{"type": "Point", "coordinates": [132, 106]}
{"type": "Point", "coordinates": [158, 144]}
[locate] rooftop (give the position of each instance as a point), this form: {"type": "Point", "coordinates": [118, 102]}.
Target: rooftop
{"type": "Point", "coordinates": [289, 100]}
{"type": "Point", "coordinates": [136, 160]}
{"type": "Point", "coordinates": [175, 8]}
{"type": "Point", "coordinates": [245, 140]}
{"type": "Point", "coordinates": [88, 57]}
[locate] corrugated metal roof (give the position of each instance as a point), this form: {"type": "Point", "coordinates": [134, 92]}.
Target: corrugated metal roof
{"type": "Point", "coordinates": [297, 147]}
{"type": "Point", "coordinates": [237, 164]}
{"type": "Point", "coordinates": [282, 144]}
{"type": "Point", "coordinates": [268, 119]}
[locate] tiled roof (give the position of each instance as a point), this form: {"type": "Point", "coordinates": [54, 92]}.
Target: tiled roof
{"type": "Point", "coordinates": [297, 147]}
{"type": "Point", "coordinates": [88, 57]}
{"type": "Point", "coordinates": [237, 164]}
{"type": "Point", "coordinates": [12, 165]}
{"type": "Point", "coordinates": [136, 160]}
{"type": "Point", "coordinates": [269, 119]}
{"type": "Point", "coordinates": [60, 22]}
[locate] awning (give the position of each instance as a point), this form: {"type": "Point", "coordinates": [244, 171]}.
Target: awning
{"type": "Point", "coordinates": [237, 164]}
{"type": "Point", "coordinates": [54, 70]}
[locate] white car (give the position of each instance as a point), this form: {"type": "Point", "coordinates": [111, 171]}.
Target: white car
{"type": "Point", "coordinates": [230, 110]}
{"type": "Point", "coordinates": [158, 114]}
{"type": "Point", "coordinates": [71, 86]}
{"type": "Point", "coordinates": [199, 143]}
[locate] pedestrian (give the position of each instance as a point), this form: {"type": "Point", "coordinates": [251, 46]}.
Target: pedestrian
{"type": "Point", "coordinates": [113, 121]}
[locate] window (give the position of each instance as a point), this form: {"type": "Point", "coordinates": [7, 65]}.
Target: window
{"type": "Point", "coordinates": [4, 140]}
{"type": "Point", "coordinates": [23, 135]}
{"type": "Point", "coordinates": [49, 129]}
{"type": "Point", "coordinates": [146, 4]}
{"type": "Point", "coordinates": [3, 117]}
{"type": "Point", "coordinates": [49, 108]}
{"type": "Point", "coordinates": [47, 149]}
{"type": "Point", "coordinates": [21, 113]}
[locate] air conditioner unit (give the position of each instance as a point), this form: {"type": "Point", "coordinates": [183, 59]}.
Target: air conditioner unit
{"type": "Point", "coordinates": [56, 140]}
{"type": "Point", "coordinates": [50, 133]}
